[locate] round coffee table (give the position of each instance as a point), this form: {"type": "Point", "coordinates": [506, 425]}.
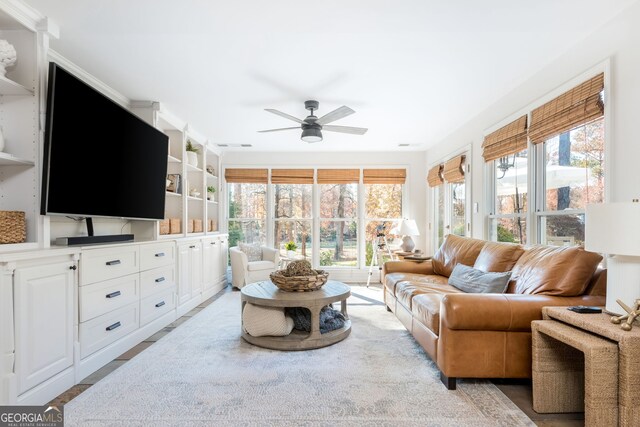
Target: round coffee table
{"type": "Point", "coordinates": [268, 295]}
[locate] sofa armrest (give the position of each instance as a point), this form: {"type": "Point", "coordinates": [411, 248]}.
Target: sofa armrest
{"type": "Point", "coordinates": [407, 267]}
{"type": "Point", "coordinates": [271, 254]}
{"type": "Point", "coordinates": [502, 312]}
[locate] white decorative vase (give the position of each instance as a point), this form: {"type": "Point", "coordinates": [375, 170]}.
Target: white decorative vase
{"type": "Point", "coordinates": [192, 158]}
{"type": "Point", "coordinates": [291, 254]}
{"type": "Point", "coordinates": [7, 56]}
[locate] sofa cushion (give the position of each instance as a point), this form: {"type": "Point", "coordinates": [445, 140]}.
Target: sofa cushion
{"type": "Point", "coordinates": [405, 291]}
{"type": "Point", "coordinates": [426, 309]}
{"type": "Point", "coordinates": [392, 279]}
{"type": "Point", "coordinates": [498, 256]}
{"type": "Point", "coordinates": [472, 280]}
{"type": "Point", "coordinates": [253, 252]}
{"type": "Point", "coordinates": [554, 270]}
{"type": "Point", "coordinates": [454, 250]}
{"type": "Point", "coordinates": [261, 265]}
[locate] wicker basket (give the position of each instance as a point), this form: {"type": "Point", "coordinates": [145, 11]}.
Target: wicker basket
{"type": "Point", "coordinates": [13, 227]}
{"type": "Point", "coordinates": [299, 283]}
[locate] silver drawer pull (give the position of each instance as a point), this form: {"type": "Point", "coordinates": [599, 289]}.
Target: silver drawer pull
{"type": "Point", "coordinates": [114, 326]}
{"type": "Point", "coordinates": [160, 254]}
{"type": "Point", "coordinates": [114, 294]}
{"type": "Point", "coordinates": [114, 262]}
{"type": "Point", "coordinates": [160, 304]}
{"type": "Point", "coordinates": [160, 279]}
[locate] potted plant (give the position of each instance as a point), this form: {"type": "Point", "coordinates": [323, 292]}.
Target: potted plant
{"type": "Point", "coordinates": [192, 153]}
{"type": "Point", "coordinates": [291, 247]}
{"type": "Point", "coordinates": [210, 191]}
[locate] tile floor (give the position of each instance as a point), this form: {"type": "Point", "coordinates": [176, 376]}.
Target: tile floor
{"type": "Point", "coordinates": [518, 391]}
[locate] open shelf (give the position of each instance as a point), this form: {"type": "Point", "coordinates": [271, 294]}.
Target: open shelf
{"type": "Point", "coordinates": [172, 159]}
{"type": "Point", "coordinates": [193, 168]}
{"type": "Point", "coordinates": [195, 198]}
{"type": "Point", "coordinates": [7, 159]}
{"type": "Point", "coordinates": [209, 176]}
{"type": "Point", "coordinates": [212, 202]}
{"type": "Point", "coordinates": [172, 194]}
{"type": "Point", "coordinates": [9, 87]}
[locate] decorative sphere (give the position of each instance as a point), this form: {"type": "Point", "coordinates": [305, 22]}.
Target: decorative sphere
{"type": "Point", "coordinates": [615, 320]}
{"type": "Point", "coordinates": [625, 327]}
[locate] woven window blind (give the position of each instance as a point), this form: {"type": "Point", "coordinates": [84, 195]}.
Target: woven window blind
{"type": "Point", "coordinates": [384, 176]}
{"type": "Point", "coordinates": [338, 176]}
{"type": "Point", "coordinates": [434, 177]}
{"type": "Point", "coordinates": [258, 176]}
{"type": "Point", "coordinates": [454, 169]}
{"type": "Point", "coordinates": [292, 176]}
{"type": "Point", "coordinates": [578, 106]}
{"type": "Point", "coordinates": [509, 139]}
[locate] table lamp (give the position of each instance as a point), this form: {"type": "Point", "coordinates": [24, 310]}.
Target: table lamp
{"type": "Point", "coordinates": [408, 228]}
{"type": "Point", "coordinates": [614, 229]}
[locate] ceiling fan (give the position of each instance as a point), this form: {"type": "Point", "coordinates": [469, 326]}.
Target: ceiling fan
{"type": "Point", "coordinates": [312, 126]}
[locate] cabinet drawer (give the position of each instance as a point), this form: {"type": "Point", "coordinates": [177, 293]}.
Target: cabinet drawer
{"type": "Point", "coordinates": [102, 331]}
{"type": "Point", "coordinates": [156, 280]}
{"type": "Point", "coordinates": [157, 255]}
{"type": "Point", "coordinates": [103, 264]}
{"type": "Point", "coordinates": [99, 298]}
{"type": "Point", "coordinates": [156, 305]}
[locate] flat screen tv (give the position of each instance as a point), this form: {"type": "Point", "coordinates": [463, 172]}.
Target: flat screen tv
{"type": "Point", "coordinates": [100, 160]}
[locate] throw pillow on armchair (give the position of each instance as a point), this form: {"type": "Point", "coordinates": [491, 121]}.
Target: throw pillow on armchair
{"type": "Point", "coordinates": [253, 252]}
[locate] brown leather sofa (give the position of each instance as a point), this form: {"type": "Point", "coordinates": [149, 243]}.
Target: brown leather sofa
{"type": "Point", "coordinates": [476, 335]}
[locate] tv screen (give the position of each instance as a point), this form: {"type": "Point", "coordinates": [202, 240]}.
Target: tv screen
{"type": "Point", "coordinates": [100, 160]}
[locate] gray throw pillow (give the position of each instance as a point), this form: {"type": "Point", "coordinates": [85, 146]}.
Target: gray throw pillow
{"type": "Point", "coordinates": [253, 252]}
{"type": "Point", "coordinates": [472, 280]}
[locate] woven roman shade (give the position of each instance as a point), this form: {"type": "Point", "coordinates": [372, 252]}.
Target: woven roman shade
{"type": "Point", "coordinates": [338, 176]}
{"type": "Point", "coordinates": [454, 169]}
{"type": "Point", "coordinates": [578, 106]}
{"type": "Point", "coordinates": [258, 176]}
{"type": "Point", "coordinates": [384, 176]}
{"type": "Point", "coordinates": [434, 177]}
{"type": "Point", "coordinates": [509, 139]}
{"type": "Point", "coordinates": [292, 176]}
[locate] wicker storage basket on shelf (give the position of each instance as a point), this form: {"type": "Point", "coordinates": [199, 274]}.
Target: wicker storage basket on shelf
{"type": "Point", "coordinates": [13, 227]}
{"type": "Point", "coordinates": [299, 283]}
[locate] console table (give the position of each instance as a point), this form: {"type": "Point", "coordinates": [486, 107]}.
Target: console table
{"type": "Point", "coordinates": [587, 333]}
{"type": "Point", "coordinates": [267, 294]}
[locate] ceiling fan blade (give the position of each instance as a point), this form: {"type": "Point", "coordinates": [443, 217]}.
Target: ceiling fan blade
{"type": "Point", "coordinates": [276, 130]}
{"type": "Point", "coordinates": [336, 114]}
{"type": "Point", "coordinates": [285, 115]}
{"type": "Point", "coordinates": [345, 129]}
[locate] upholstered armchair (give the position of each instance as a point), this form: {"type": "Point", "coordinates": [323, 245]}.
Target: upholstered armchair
{"type": "Point", "coordinates": [244, 271]}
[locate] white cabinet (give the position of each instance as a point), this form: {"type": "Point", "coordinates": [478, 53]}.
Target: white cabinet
{"type": "Point", "coordinates": [224, 256]}
{"type": "Point", "coordinates": [44, 322]}
{"type": "Point", "coordinates": [189, 275]}
{"type": "Point", "coordinates": [212, 276]}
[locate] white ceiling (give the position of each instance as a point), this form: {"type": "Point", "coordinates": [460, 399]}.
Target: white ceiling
{"type": "Point", "coordinates": [414, 70]}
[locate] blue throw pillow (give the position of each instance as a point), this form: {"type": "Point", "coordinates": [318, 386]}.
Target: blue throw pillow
{"type": "Point", "coordinates": [472, 280]}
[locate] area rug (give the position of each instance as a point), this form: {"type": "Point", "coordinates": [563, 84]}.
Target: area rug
{"type": "Point", "coordinates": [204, 374]}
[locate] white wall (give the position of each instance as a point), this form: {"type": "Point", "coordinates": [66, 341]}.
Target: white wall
{"type": "Point", "coordinates": [414, 162]}
{"type": "Point", "coordinates": [617, 42]}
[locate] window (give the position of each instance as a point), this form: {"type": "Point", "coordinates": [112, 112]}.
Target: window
{"type": "Point", "coordinates": [247, 213]}
{"type": "Point", "coordinates": [573, 176]}
{"type": "Point", "coordinates": [293, 218]}
{"type": "Point", "coordinates": [329, 214]}
{"type": "Point", "coordinates": [247, 199]}
{"type": "Point", "coordinates": [509, 222]}
{"type": "Point", "coordinates": [339, 225]}
{"type": "Point", "coordinates": [450, 214]}
{"type": "Point", "coordinates": [544, 175]}
{"type": "Point", "coordinates": [383, 210]}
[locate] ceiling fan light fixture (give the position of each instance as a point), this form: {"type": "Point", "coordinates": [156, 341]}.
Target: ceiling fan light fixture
{"type": "Point", "coordinates": [311, 135]}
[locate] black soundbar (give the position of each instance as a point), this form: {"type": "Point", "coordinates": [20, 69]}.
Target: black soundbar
{"type": "Point", "coordinates": [92, 240]}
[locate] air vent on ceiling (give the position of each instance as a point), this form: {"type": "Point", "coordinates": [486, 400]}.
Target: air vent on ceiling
{"type": "Point", "coordinates": [404, 145]}
{"type": "Point", "coordinates": [235, 145]}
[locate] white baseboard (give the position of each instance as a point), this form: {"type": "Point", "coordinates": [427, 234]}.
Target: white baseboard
{"type": "Point", "coordinates": [49, 389]}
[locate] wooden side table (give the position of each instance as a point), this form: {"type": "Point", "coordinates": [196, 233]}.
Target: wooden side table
{"type": "Point", "coordinates": [628, 343]}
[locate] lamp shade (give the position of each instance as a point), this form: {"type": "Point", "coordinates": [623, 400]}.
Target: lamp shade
{"type": "Point", "coordinates": [613, 228]}
{"type": "Point", "coordinates": [408, 227]}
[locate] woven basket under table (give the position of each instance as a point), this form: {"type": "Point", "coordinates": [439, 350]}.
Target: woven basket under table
{"type": "Point", "coordinates": [299, 283]}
